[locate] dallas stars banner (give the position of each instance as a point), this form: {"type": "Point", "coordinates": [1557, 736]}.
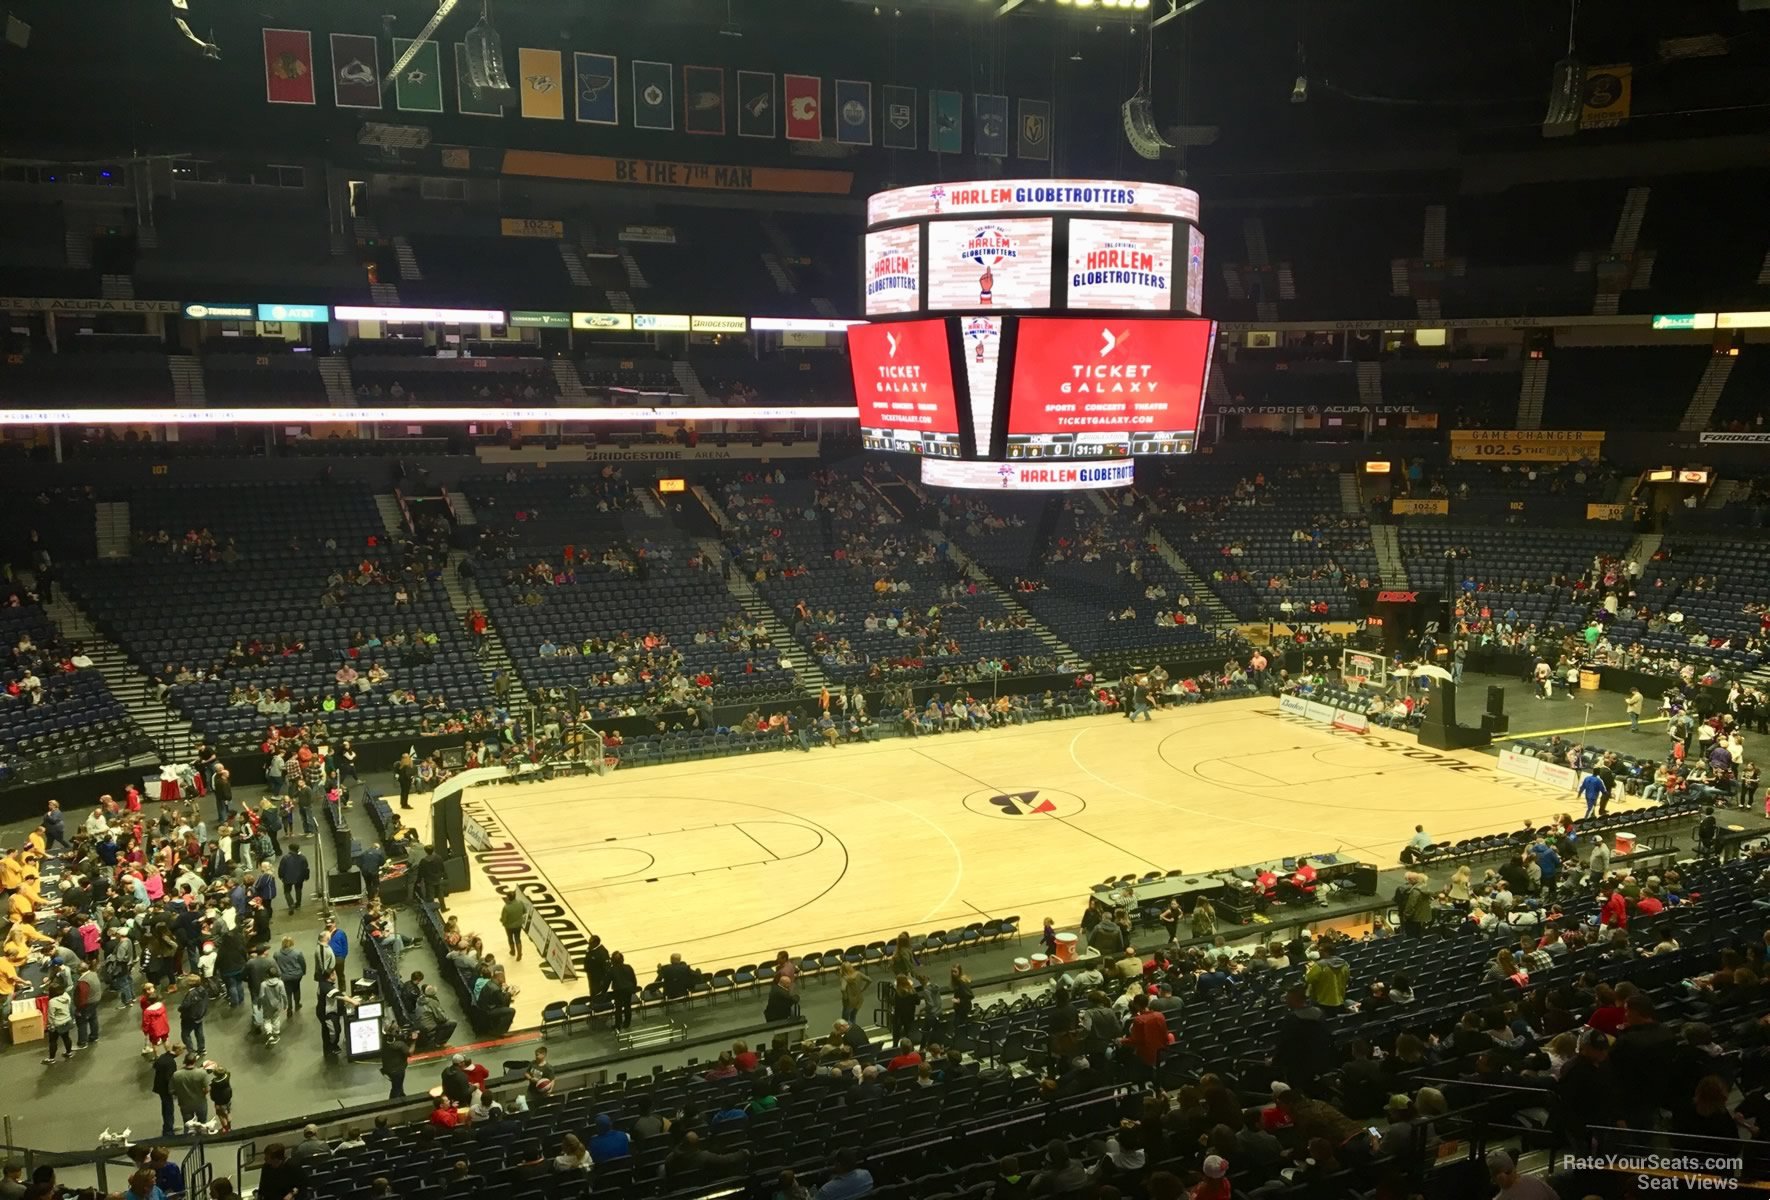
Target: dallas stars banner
{"type": "Point", "coordinates": [419, 87]}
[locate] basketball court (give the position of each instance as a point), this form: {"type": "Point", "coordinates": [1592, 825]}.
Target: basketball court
{"type": "Point", "coordinates": [730, 860]}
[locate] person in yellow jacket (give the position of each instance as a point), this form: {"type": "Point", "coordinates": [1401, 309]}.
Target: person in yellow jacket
{"type": "Point", "coordinates": [1326, 981]}
{"type": "Point", "coordinates": [36, 847]}
{"type": "Point", "coordinates": [27, 900]}
{"type": "Point", "coordinates": [8, 978]}
{"type": "Point", "coordinates": [15, 869]}
{"type": "Point", "coordinates": [20, 937]}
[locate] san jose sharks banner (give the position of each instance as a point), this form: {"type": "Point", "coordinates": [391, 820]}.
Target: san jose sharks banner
{"type": "Point", "coordinates": [991, 114]}
{"type": "Point", "coordinates": [854, 112]}
{"type": "Point", "coordinates": [703, 100]}
{"type": "Point", "coordinates": [419, 88]}
{"type": "Point", "coordinates": [598, 77]}
{"type": "Point", "coordinates": [543, 83]}
{"type": "Point", "coordinates": [756, 104]}
{"type": "Point", "coordinates": [356, 71]}
{"type": "Point", "coordinates": [469, 101]}
{"type": "Point", "coordinates": [1035, 130]}
{"type": "Point", "coordinates": [654, 95]}
{"type": "Point", "coordinates": [946, 122]}
{"type": "Point", "coordinates": [898, 128]}
{"type": "Point", "coordinates": [288, 66]}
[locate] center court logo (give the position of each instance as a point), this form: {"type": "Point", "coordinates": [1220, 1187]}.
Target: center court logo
{"type": "Point", "coordinates": [1021, 804]}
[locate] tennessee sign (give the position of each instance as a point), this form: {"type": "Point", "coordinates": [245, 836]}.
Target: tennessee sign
{"type": "Point", "coordinates": [1125, 265]}
{"type": "Point", "coordinates": [893, 283]}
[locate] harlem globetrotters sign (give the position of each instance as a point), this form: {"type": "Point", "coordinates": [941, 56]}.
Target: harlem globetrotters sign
{"type": "Point", "coordinates": [1006, 264]}
{"type": "Point", "coordinates": [894, 276]}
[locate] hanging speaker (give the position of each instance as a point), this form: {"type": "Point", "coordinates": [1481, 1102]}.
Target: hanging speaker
{"type": "Point", "coordinates": [1565, 87]}
{"type": "Point", "coordinates": [485, 63]}
{"type": "Point", "coordinates": [1140, 128]}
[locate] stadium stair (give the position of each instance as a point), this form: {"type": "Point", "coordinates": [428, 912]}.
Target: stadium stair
{"type": "Point", "coordinates": [571, 384]}
{"type": "Point", "coordinates": [823, 307]}
{"type": "Point", "coordinates": [1764, 270]}
{"type": "Point", "coordinates": [1351, 503]}
{"type": "Point", "coordinates": [116, 287]}
{"type": "Point", "coordinates": [385, 295]}
{"type": "Point", "coordinates": [619, 301]}
{"type": "Point", "coordinates": [1370, 382]}
{"type": "Point", "coordinates": [464, 596]}
{"type": "Point", "coordinates": [1388, 550]}
{"type": "Point", "coordinates": [173, 737]}
{"type": "Point", "coordinates": [648, 503]}
{"type": "Point", "coordinates": [1532, 390]}
{"type": "Point", "coordinates": [806, 671]}
{"type": "Point", "coordinates": [1644, 547]}
{"type": "Point", "coordinates": [783, 281]}
{"type": "Point", "coordinates": [335, 374]}
{"type": "Point", "coordinates": [1202, 593]}
{"type": "Point", "coordinates": [1707, 393]}
{"type": "Point", "coordinates": [690, 381]}
{"type": "Point", "coordinates": [462, 507]}
{"type": "Point", "coordinates": [700, 492]}
{"type": "Point", "coordinates": [574, 264]}
{"type": "Point", "coordinates": [188, 388]}
{"type": "Point", "coordinates": [1060, 649]}
{"type": "Point", "coordinates": [1432, 247]}
{"type": "Point", "coordinates": [1400, 281]}
{"type": "Point", "coordinates": [408, 262]}
{"type": "Point", "coordinates": [112, 526]}
{"type": "Point", "coordinates": [635, 277]}
{"type": "Point", "coordinates": [77, 246]}
{"type": "Point", "coordinates": [1721, 493]}
{"type": "Point", "coordinates": [392, 519]}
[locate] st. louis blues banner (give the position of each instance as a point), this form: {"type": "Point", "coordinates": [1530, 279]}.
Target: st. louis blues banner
{"type": "Point", "coordinates": [756, 104]}
{"type": "Point", "coordinates": [654, 95]}
{"type": "Point", "coordinates": [898, 128]}
{"type": "Point", "coordinates": [992, 125]}
{"type": "Point", "coordinates": [599, 91]}
{"type": "Point", "coordinates": [854, 112]}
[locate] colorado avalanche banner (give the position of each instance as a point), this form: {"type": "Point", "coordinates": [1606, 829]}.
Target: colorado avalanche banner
{"type": "Point", "coordinates": [356, 71]}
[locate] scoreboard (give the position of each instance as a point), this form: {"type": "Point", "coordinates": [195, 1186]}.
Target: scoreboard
{"type": "Point", "coordinates": [1017, 321]}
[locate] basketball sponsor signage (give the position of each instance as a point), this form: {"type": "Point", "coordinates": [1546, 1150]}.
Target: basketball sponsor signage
{"type": "Point", "coordinates": [894, 271]}
{"type": "Point", "coordinates": [1029, 477]}
{"type": "Point", "coordinates": [1083, 375]}
{"type": "Point", "coordinates": [1005, 264]}
{"type": "Point", "coordinates": [1034, 195]}
{"type": "Point", "coordinates": [1120, 265]}
{"type": "Point", "coordinates": [903, 377]}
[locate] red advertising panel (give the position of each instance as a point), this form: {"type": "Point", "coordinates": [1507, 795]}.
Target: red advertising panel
{"type": "Point", "coordinates": [903, 384]}
{"type": "Point", "coordinates": [1092, 387]}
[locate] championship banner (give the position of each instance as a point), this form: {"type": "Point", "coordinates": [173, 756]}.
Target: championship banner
{"type": "Point", "coordinates": [654, 95]}
{"type": "Point", "coordinates": [991, 115]}
{"type": "Point", "coordinates": [356, 71]}
{"type": "Point", "coordinates": [756, 104]}
{"type": "Point", "coordinates": [543, 83]}
{"type": "Point", "coordinates": [1034, 130]}
{"type": "Point", "coordinates": [1604, 104]}
{"type": "Point", "coordinates": [805, 108]}
{"type": "Point", "coordinates": [1525, 445]}
{"type": "Point", "coordinates": [1419, 508]}
{"type": "Point", "coordinates": [898, 131]}
{"type": "Point", "coordinates": [652, 172]}
{"type": "Point", "coordinates": [470, 101]}
{"type": "Point", "coordinates": [946, 122]}
{"type": "Point", "coordinates": [1607, 512]}
{"type": "Point", "coordinates": [418, 88]}
{"type": "Point", "coordinates": [854, 112]}
{"type": "Point", "coordinates": [599, 91]}
{"type": "Point", "coordinates": [288, 66]}
{"type": "Point", "coordinates": [703, 101]}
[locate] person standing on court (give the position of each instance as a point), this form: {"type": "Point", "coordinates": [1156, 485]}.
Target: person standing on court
{"type": "Point", "coordinates": [55, 828]}
{"type": "Point", "coordinates": [512, 917]}
{"type": "Point", "coordinates": [396, 1053]}
{"type": "Point", "coordinates": [1632, 706]}
{"type": "Point", "coordinates": [165, 1067]}
{"type": "Point", "coordinates": [622, 983]}
{"type": "Point", "coordinates": [294, 871]}
{"type": "Point", "coordinates": [407, 774]}
{"type": "Point", "coordinates": [1592, 789]}
{"type": "Point", "coordinates": [596, 966]}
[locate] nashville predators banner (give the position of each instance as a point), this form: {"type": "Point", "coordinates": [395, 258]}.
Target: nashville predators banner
{"type": "Point", "coordinates": [1605, 101]}
{"type": "Point", "coordinates": [543, 84]}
